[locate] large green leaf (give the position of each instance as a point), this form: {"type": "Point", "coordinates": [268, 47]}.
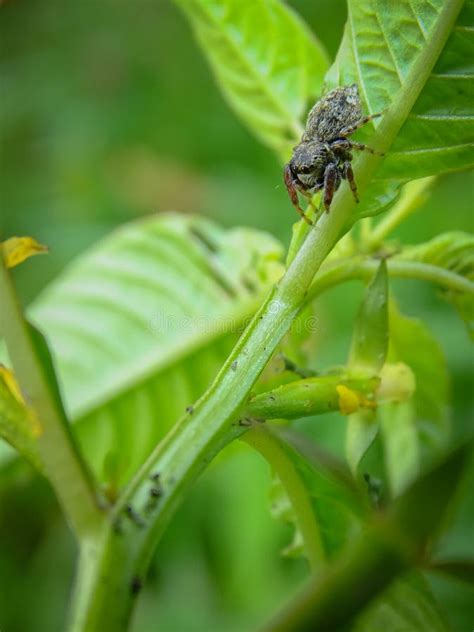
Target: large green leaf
{"type": "Point", "coordinates": [268, 64]}
{"type": "Point", "coordinates": [140, 324]}
{"type": "Point", "coordinates": [382, 43]}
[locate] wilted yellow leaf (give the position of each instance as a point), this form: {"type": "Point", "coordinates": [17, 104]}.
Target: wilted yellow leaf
{"type": "Point", "coordinates": [17, 249]}
{"type": "Point", "coordinates": [8, 378]}
{"type": "Point", "coordinates": [10, 382]}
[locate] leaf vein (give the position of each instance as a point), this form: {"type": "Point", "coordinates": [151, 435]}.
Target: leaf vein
{"type": "Point", "coordinates": [388, 47]}
{"type": "Point", "coordinates": [431, 149]}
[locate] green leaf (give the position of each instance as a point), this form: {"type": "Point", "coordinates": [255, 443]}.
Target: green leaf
{"type": "Point", "coordinates": [401, 446]}
{"type": "Point", "coordinates": [453, 251]}
{"type": "Point", "coordinates": [34, 368]}
{"type": "Point", "coordinates": [141, 323]}
{"type": "Point", "coordinates": [406, 605]}
{"type": "Point", "coordinates": [368, 352]}
{"type": "Point", "coordinates": [370, 338]}
{"type": "Point", "coordinates": [362, 429]}
{"type": "Point", "coordinates": [417, 430]}
{"type": "Point", "coordinates": [268, 64]}
{"type": "Point", "coordinates": [381, 45]}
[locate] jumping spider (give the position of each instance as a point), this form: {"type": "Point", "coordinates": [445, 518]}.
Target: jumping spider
{"type": "Point", "coordinates": [323, 157]}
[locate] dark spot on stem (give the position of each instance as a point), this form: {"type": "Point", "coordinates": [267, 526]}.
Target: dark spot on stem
{"type": "Point", "coordinates": [134, 517]}
{"type": "Point", "coordinates": [136, 585]}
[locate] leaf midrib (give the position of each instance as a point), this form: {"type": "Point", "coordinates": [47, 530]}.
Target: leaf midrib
{"type": "Point", "coordinates": [260, 79]}
{"type": "Point", "coordinates": [133, 376]}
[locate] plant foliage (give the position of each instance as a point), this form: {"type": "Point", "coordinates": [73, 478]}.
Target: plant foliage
{"type": "Point", "coordinates": [174, 318]}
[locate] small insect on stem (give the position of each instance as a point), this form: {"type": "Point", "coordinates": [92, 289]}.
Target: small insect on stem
{"type": "Point", "coordinates": [134, 516]}
{"type": "Point", "coordinates": [323, 157]}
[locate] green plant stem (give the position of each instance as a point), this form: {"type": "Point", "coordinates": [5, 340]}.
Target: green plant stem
{"type": "Point", "coordinates": [198, 436]}
{"type": "Point", "coordinates": [106, 586]}
{"type": "Point", "coordinates": [309, 396]}
{"type": "Point", "coordinates": [363, 269]}
{"type": "Point", "coordinates": [262, 441]}
{"type": "Point", "coordinates": [65, 468]}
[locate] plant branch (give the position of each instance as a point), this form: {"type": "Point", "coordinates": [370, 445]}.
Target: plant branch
{"type": "Point", "coordinates": [65, 468]}
{"type": "Point", "coordinates": [262, 441]}
{"type": "Point", "coordinates": [363, 268]}
{"type": "Point", "coordinates": [314, 396]}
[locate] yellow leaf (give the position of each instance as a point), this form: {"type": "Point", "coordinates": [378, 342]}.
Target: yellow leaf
{"type": "Point", "coordinates": [10, 382]}
{"type": "Point", "coordinates": [17, 249]}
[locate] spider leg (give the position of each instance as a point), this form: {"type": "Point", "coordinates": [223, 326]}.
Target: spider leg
{"type": "Point", "coordinates": [346, 144]}
{"type": "Point", "coordinates": [348, 175]}
{"type": "Point", "coordinates": [340, 144]}
{"type": "Point", "coordinates": [363, 147]}
{"type": "Point", "coordinates": [331, 183]}
{"type": "Point", "coordinates": [309, 196]}
{"type": "Point", "coordinates": [292, 187]}
{"type": "Point", "coordinates": [347, 131]}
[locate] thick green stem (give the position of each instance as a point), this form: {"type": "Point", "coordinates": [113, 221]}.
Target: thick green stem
{"type": "Point", "coordinates": [63, 463]}
{"type": "Point", "coordinates": [106, 586]}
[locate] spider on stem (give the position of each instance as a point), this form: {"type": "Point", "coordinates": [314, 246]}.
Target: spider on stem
{"type": "Point", "coordinates": [323, 157]}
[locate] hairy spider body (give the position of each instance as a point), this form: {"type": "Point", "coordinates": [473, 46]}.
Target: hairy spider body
{"type": "Point", "coordinates": [323, 157]}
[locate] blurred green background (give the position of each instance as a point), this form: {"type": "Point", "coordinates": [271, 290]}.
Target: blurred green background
{"type": "Point", "coordinates": [108, 113]}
